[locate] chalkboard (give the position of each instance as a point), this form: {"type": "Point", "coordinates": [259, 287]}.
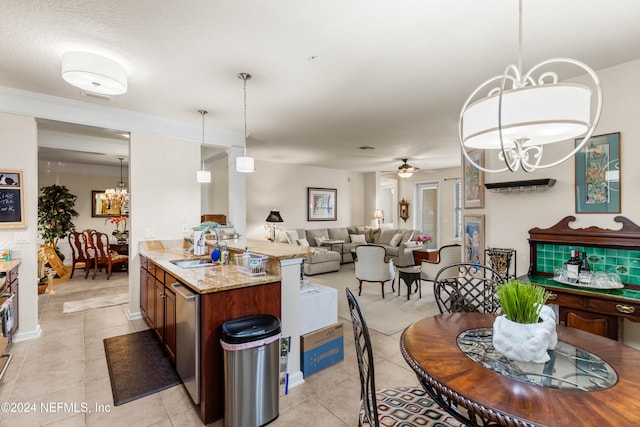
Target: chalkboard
{"type": "Point", "coordinates": [11, 200]}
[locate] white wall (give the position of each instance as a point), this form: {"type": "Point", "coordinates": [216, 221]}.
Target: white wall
{"type": "Point", "coordinates": [163, 192]}
{"type": "Point", "coordinates": [18, 142]}
{"type": "Point", "coordinates": [284, 187]}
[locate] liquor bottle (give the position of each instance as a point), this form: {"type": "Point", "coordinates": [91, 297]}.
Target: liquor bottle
{"type": "Point", "coordinates": [573, 267]}
{"type": "Point", "coordinates": [584, 264]}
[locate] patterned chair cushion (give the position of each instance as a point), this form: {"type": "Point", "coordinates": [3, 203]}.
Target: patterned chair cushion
{"type": "Point", "coordinates": [410, 406]}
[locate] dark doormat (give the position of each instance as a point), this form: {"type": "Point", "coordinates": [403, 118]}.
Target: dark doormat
{"type": "Point", "coordinates": [138, 366]}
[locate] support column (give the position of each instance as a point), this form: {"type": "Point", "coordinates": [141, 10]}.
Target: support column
{"type": "Point", "coordinates": [237, 193]}
{"type": "Point", "coordinates": [290, 272]}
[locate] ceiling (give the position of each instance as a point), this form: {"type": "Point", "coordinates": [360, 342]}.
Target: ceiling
{"type": "Point", "coordinates": [328, 76]}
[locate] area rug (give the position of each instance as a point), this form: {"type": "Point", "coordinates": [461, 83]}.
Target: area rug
{"type": "Point", "coordinates": [138, 366]}
{"type": "Point", "coordinates": [389, 315]}
{"type": "Point", "coordinates": [96, 302]}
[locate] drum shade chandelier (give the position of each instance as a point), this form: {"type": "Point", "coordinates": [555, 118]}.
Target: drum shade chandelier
{"type": "Point", "coordinates": [527, 111]}
{"type": "Point", "coordinates": [94, 73]}
{"type": "Point", "coordinates": [245, 163]}
{"type": "Point", "coordinates": [203, 175]}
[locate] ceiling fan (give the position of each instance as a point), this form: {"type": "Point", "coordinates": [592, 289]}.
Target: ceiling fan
{"type": "Point", "coordinates": [406, 170]}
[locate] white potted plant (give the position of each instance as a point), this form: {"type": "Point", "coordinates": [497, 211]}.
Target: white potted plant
{"type": "Point", "coordinates": [527, 329]}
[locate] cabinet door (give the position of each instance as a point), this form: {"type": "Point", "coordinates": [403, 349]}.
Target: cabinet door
{"type": "Point", "coordinates": [13, 288]}
{"type": "Point", "coordinates": [595, 323]}
{"type": "Point", "coordinates": [158, 318]}
{"type": "Point", "coordinates": [150, 284]}
{"type": "Point", "coordinates": [170, 322]}
{"type": "Point", "coordinates": [144, 307]}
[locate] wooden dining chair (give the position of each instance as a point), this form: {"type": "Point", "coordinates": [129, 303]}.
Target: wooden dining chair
{"type": "Point", "coordinates": [405, 406]}
{"type": "Point", "coordinates": [79, 255]}
{"type": "Point", "coordinates": [105, 257]}
{"type": "Point", "coordinates": [370, 266]}
{"type": "Point", "coordinates": [465, 287]}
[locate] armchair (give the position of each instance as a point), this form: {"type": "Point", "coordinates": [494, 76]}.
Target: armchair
{"type": "Point", "coordinates": [371, 267]}
{"type": "Point", "coordinates": [447, 255]}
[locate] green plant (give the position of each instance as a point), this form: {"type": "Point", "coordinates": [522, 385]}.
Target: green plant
{"type": "Point", "coordinates": [521, 302]}
{"type": "Point", "coordinates": [56, 210]}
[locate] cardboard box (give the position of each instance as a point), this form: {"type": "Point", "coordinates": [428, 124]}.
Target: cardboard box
{"type": "Point", "coordinates": [318, 307]}
{"type": "Point", "coordinates": [321, 349]}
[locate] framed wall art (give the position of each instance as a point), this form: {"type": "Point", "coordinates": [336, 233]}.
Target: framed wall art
{"type": "Point", "coordinates": [474, 239]}
{"type": "Point", "coordinates": [12, 199]}
{"type": "Point", "coordinates": [598, 175]}
{"type": "Point", "coordinates": [473, 180]}
{"type": "Point", "coordinates": [321, 204]}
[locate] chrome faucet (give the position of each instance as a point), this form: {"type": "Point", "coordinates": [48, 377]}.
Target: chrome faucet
{"type": "Point", "coordinates": [222, 246]}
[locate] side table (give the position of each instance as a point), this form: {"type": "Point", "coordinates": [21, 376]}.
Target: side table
{"type": "Point", "coordinates": [422, 255]}
{"type": "Point", "coordinates": [410, 275]}
{"type": "Point", "coordinates": [333, 242]}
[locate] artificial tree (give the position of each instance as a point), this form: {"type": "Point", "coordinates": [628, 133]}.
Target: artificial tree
{"type": "Point", "coordinates": [56, 210]}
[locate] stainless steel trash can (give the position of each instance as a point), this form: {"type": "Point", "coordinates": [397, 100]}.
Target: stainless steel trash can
{"type": "Point", "coordinates": [251, 359]}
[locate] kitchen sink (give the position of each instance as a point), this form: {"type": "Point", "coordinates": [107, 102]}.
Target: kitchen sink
{"type": "Point", "coordinates": [194, 263]}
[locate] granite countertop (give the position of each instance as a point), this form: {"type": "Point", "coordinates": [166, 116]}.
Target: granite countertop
{"type": "Point", "coordinates": [8, 265]}
{"type": "Point", "coordinates": [220, 277]}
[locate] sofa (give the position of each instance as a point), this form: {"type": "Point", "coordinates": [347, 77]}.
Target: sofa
{"type": "Point", "coordinates": [399, 244]}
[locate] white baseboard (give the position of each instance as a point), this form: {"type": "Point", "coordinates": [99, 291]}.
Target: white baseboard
{"type": "Point", "coordinates": [295, 379]}
{"type": "Point", "coordinates": [27, 335]}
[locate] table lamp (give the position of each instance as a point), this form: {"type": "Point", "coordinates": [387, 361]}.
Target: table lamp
{"type": "Point", "coordinates": [273, 218]}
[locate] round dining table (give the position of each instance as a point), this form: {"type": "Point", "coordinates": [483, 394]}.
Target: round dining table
{"type": "Point", "coordinates": [486, 396]}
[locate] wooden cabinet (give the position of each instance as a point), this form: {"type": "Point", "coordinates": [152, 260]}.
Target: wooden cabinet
{"type": "Point", "coordinates": [582, 308]}
{"type": "Point", "coordinates": [12, 288]}
{"type": "Point", "coordinates": [158, 303]}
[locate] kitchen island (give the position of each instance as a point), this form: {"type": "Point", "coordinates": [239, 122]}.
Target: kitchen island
{"type": "Point", "coordinates": [225, 293]}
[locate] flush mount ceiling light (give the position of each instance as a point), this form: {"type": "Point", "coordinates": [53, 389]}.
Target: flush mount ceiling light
{"type": "Point", "coordinates": [203, 175]}
{"type": "Point", "coordinates": [406, 170]}
{"type": "Point", "coordinates": [94, 73]}
{"type": "Point", "coordinates": [527, 111]}
{"type": "Point", "coordinates": [245, 163]}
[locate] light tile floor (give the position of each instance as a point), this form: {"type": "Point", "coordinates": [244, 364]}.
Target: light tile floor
{"type": "Point", "coordinates": [51, 378]}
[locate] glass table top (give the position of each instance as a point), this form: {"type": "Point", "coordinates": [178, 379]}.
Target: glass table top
{"type": "Point", "coordinates": [570, 367]}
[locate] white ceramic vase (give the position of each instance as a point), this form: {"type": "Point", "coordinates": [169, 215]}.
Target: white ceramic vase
{"type": "Point", "coordinates": [526, 342]}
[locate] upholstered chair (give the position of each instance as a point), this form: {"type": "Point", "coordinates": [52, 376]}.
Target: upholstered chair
{"type": "Point", "coordinates": [447, 255]}
{"type": "Point", "coordinates": [371, 267]}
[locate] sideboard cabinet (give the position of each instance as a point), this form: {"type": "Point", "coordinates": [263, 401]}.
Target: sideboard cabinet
{"type": "Point", "coordinates": [599, 311]}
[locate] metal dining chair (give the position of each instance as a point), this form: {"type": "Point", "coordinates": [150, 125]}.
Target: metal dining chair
{"type": "Point", "coordinates": [405, 406]}
{"type": "Point", "coordinates": [466, 287]}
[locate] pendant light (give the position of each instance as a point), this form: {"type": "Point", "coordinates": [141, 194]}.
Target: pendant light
{"type": "Point", "coordinates": [245, 163]}
{"type": "Point", "coordinates": [203, 176]}
{"type": "Point", "coordinates": [517, 113]}
{"type": "Point", "coordinates": [117, 197]}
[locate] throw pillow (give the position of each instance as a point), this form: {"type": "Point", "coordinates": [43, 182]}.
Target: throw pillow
{"type": "Point", "coordinates": [319, 240]}
{"type": "Point", "coordinates": [358, 238]}
{"type": "Point", "coordinates": [395, 240]}
{"type": "Point", "coordinates": [292, 235]}
{"type": "Point", "coordinates": [303, 242]}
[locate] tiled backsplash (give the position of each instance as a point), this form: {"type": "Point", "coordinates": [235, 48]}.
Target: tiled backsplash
{"type": "Point", "coordinates": [625, 262]}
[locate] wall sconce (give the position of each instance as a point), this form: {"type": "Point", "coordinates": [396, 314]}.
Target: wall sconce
{"type": "Point", "coordinates": [404, 210]}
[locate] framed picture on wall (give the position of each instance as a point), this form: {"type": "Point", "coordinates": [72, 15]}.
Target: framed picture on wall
{"type": "Point", "coordinates": [12, 199]}
{"type": "Point", "coordinates": [598, 175]}
{"type": "Point", "coordinates": [322, 204]}
{"type": "Point", "coordinates": [473, 180]}
{"type": "Point", "coordinates": [474, 239]}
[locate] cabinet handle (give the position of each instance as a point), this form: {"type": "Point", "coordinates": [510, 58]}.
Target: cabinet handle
{"type": "Point", "coordinates": [552, 297]}
{"type": "Point", "coordinates": [626, 309]}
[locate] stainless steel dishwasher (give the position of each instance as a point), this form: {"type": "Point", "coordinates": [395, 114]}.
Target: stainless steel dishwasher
{"type": "Point", "coordinates": [188, 339]}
